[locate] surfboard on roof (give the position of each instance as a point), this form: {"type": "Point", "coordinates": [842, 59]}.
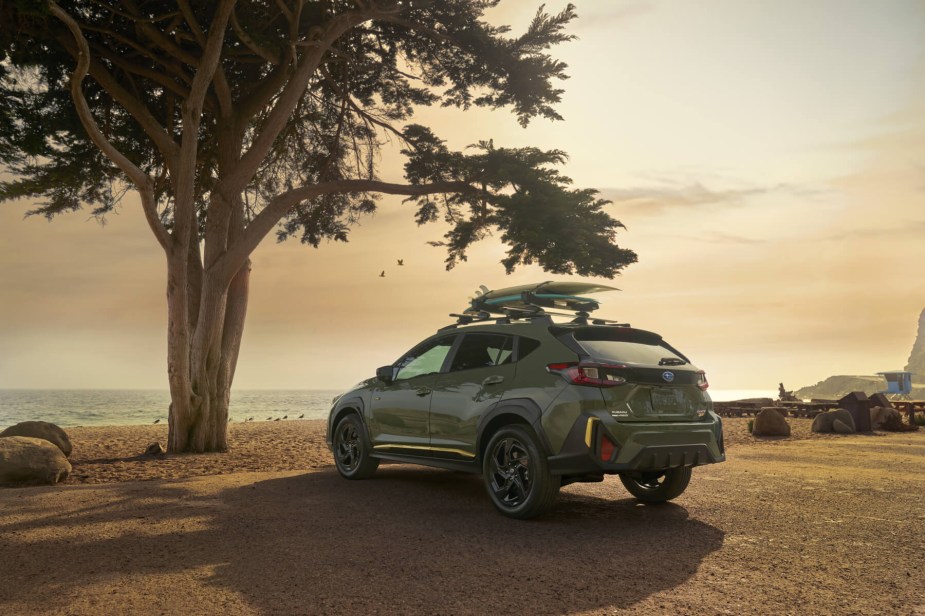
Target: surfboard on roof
{"type": "Point", "coordinates": [549, 294]}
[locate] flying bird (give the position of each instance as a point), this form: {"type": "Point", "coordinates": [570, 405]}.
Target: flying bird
{"type": "Point", "coordinates": [302, 415]}
{"type": "Point", "coordinates": [401, 261]}
{"type": "Point", "coordinates": [382, 275]}
{"type": "Point", "coordinates": [157, 421]}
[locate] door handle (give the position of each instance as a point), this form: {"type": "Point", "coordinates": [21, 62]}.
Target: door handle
{"type": "Point", "coordinates": [422, 391]}
{"type": "Point", "coordinates": [493, 380]}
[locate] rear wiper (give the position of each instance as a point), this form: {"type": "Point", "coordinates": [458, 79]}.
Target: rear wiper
{"type": "Point", "coordinates": [671, 361]}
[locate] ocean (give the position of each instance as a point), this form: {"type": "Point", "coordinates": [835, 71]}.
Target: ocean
{"type": "Point", "coordinates": [121, 407]}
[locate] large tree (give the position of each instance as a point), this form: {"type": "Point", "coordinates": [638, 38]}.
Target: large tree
{"type": "Point", "coordinates": [234, 118]}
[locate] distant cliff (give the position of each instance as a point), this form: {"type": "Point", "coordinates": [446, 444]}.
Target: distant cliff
{"type": "Point", "coordinates": [917, 357]}
{"type": "Point", "coordinates": [835, 387]}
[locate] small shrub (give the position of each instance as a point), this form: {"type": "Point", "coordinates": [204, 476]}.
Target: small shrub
{"type": "Point", "coordinates": [919, 419]}
{"type": "Point", "coordinates": [751, 424]}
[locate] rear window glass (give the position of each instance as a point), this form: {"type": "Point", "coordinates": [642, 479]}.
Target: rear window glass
{"type": "Point", "coordinates": [632, 352]}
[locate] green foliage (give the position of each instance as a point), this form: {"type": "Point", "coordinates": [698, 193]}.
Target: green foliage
{"type": "Point", "coordinates": [522, 193]}
{"type": "Point", "coordinates": [919, 419]}
{"type": "Point", "coordinates": [400, 56]}
{"type": "Point", "coordinates": [751, 425]}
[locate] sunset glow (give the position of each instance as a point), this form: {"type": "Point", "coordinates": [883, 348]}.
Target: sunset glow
{"type": "Point", "coordinates": [767, 158]}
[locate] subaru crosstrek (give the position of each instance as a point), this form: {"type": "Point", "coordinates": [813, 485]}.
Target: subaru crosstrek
{"type": "Point", "coordinates": [533, 404]}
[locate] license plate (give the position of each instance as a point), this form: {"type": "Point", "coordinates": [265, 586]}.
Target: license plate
{"type": "Point", "coordinates": [666, 400]}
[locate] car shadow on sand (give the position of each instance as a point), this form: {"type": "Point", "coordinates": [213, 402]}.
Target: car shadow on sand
{"type": "Point", "coordinates": [429, 541]}
{"type": "Point", "coordinates": [409, 540]}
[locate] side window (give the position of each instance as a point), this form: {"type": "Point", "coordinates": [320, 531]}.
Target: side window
{"type": "Point", "coordinates": [426, 359]}
{"type": "Point", "coordinates": [483, 350]}
{"type": "Point", "coordinates": [526, 346]}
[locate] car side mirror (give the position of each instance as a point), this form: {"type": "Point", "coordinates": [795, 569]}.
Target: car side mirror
{"type": "Point", "coordinates": [384, 374]}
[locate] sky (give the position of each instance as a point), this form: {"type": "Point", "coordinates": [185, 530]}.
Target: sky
{"type": "Point", "coordinates": [767, 159]}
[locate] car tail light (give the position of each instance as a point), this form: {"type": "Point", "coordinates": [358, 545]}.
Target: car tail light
{"type": "Point", "coordinates": [607, 448]}
{"type": "Point", "coordinates": [702, 380]}
{"type": "Point", "coordinates": [588, 374]}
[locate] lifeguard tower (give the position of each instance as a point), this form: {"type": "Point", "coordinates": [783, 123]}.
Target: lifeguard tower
{"type": "Point", "coordinates": [898, 384]}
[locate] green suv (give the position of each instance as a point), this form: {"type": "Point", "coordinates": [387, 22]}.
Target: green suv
{"type": "Point", "coordinates": [533, 403]}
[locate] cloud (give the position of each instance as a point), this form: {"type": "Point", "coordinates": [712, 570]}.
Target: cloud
{"type": "Point", "coordinates": [597, 18]}
{"type": "Point", "coordinates": [914, 227]}
{"type": "Point", "coordinates": [718, 237]}
{"type": "Point", "coordinates": [671, 194]}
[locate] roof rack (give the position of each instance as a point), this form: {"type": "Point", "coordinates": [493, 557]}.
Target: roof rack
{"type": "Point", "coordinates": [527, 314]}
{"type": "Point", "coordinates": [530, 301]}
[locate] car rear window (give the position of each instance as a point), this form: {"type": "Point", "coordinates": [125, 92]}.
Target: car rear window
{"type": "Point", "coordinates": [631, 352]}
{"type": "Point", "coordinates": [627, 345]}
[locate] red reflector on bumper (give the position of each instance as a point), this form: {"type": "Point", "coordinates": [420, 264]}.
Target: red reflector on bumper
{"type": "Point", "coordinates": [607, 448]}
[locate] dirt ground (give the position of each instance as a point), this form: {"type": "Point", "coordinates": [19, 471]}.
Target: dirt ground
{"type": "Point", "coordinates": [807, 525]}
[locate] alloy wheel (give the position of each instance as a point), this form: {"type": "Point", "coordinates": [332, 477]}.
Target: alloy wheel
{"type": "Point", "coordinates": [510, 472]}
{"type": "Point", "coordinates": [347, 446]}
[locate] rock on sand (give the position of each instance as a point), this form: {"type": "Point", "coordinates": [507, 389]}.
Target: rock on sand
{"type": "Point", "coordinates": [33, 460]}
{"type": "Point", "coordinates": [770, 422]}
{"type": "Point", "coordinates": [840, 427]}
{"type": "Point", "coordinates": [880, 415]}
{"type": "Point", "coordinates": [824, 422]}
{"type": "Point", "coordinates": [43, 430]}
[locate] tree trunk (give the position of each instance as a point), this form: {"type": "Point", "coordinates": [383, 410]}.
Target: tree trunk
{"type": "Point", "coordinates": [202, 357]}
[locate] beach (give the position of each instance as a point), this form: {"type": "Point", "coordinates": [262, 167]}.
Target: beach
{"type": "Point", "coordinates": [115, 453]}
{"type": "Point", "coordinates": [812, 524]}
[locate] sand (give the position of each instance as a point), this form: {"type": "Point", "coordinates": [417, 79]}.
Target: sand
{"type": "Point", "coordinates": [807, 525]}
{"type": "Point", "coordinates": [108, 454]}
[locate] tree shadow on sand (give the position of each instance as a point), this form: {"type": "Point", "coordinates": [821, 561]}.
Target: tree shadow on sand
{"type": "Point", "coordinates": [408, 540]}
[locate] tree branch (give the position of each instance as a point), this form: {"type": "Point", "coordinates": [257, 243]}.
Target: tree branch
{"type": "Point", "coordinates": [222, 89]}
{"type": "Point", "coordinates": [185, 203]}
{"type": "Point", "coordinates": [367, 116]}
{"type": "Point", "coordinates": [250, 43]}
{"type": "Point", "coordinates": [287, 101]}
{"type": "Point", "coordinates": [142, 181]}
{"type": "Point", "coordinates": [142, 51]}
{"type": "Point", "coordinates": [159, 39]}
{"type": "Point", "coordinates": [131, 103]}
{"type": "Point", "coordinates": [263, 223]}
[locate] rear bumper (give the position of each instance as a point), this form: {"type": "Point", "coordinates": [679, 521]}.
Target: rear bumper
{"type": "Point", "coordinates": [638, 446]}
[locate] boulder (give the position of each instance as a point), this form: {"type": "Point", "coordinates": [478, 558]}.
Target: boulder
{"type": "Point", "coordinates": [880, 415]}
{"type": "Point", "coordinates": [32, 460]}
{"type": "Point", "coordinates": [770, 422]}
{"type": "Point", "coordinates": [840, 427]}
{"type": "Point", "coordinates": [824, 421]}
{"type": "Point", "coordinates": [43, 430]}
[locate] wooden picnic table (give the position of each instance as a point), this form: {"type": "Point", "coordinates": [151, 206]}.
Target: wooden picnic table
{"type": "Point", "coordinates": [909, 407]}
{"type": "Point", "coordinates": [744, 408]}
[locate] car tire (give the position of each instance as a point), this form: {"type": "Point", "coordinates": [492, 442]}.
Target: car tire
{"type": "Point", "coordinates": [657, 486]}
{"type": "Point", "coordinates": [352, 450]}
{"type": "Point", "coordinates": [516, 473]}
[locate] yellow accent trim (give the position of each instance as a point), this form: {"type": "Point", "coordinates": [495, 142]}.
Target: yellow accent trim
{"type": "Point", "coordinates": [588, 429]}
{"type": "Point", "coordinates": [427, 448]}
